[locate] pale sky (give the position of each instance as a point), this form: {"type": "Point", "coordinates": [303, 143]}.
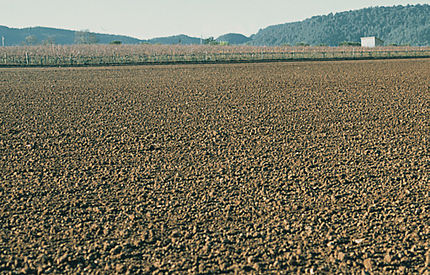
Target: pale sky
{"type": "Point", "coordinates": [155, 18]}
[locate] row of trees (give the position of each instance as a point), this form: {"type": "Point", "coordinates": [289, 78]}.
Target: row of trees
{"type": "Point", "coordinates": [212, 41]}
{"type": "Point", "coordinates": [81, 37]}
{"type": "Point", "coordinates": [33, 40]}
{"type": "Point", "coordinates": [85, 37]}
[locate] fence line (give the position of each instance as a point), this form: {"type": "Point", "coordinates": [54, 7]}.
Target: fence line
{"type": "Point", "coordinates": [76, 60]}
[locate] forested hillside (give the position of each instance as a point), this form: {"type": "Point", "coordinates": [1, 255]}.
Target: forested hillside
{"type": "Point", "coordinates": [176, 39]}
{"type": "Point", "coordinates": [233, 38]}
{"type": "Point", "coordinates": [395, 25]}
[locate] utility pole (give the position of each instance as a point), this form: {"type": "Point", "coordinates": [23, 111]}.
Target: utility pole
{"type": "Point", "coordinates": [2, 41]}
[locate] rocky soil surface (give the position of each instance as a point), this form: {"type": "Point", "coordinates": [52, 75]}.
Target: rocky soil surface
{"type": "Point", "coordinates": [319, 167]}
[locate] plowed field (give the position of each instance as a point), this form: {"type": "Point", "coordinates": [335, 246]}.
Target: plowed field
{"type": "Point", "coordinates": [319, 167]}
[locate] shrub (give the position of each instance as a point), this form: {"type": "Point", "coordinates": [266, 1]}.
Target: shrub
{"type": "Point", "coordinates": [349, 43]}
{"type": "Point", "coordinates": [302, 44]}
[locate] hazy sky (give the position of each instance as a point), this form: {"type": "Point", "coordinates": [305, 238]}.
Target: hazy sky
{"type": "Point", "coordinates": [154, 18]}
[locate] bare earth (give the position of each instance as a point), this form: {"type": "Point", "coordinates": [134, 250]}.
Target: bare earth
{"type": "Point", "coordinates": [304, 167]}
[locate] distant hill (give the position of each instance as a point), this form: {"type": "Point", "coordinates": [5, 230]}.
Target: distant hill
{"type": "Point", "coordinates": [234, 38]}
{"type": "Point", "coordinates": [395, 25]}
{"type": "Point", "coordinates": [176, 39]}
{"type": "Point", "coordinates": [401, 25]}
{"type": "Point", "coordinates": [41, 35]}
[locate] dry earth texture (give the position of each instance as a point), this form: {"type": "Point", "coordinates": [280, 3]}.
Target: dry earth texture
{"type": "Point", "coordinates": [317, 167]}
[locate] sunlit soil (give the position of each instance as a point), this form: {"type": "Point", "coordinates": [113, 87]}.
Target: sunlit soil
{"type": "Point", "coordinates": [310, 167]}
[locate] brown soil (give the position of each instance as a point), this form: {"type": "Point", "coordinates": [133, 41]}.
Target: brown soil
{"type": "Point", "coordinates": [305, 167]}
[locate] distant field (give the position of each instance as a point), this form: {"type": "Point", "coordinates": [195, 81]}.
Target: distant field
{"type": "Point", "coordinates": [310, 167]}
{"type": "Point", "coordinates": [87, 55]}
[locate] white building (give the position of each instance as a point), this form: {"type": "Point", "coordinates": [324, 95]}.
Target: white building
{"type": "Point", "coordinates": [371, 42]}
